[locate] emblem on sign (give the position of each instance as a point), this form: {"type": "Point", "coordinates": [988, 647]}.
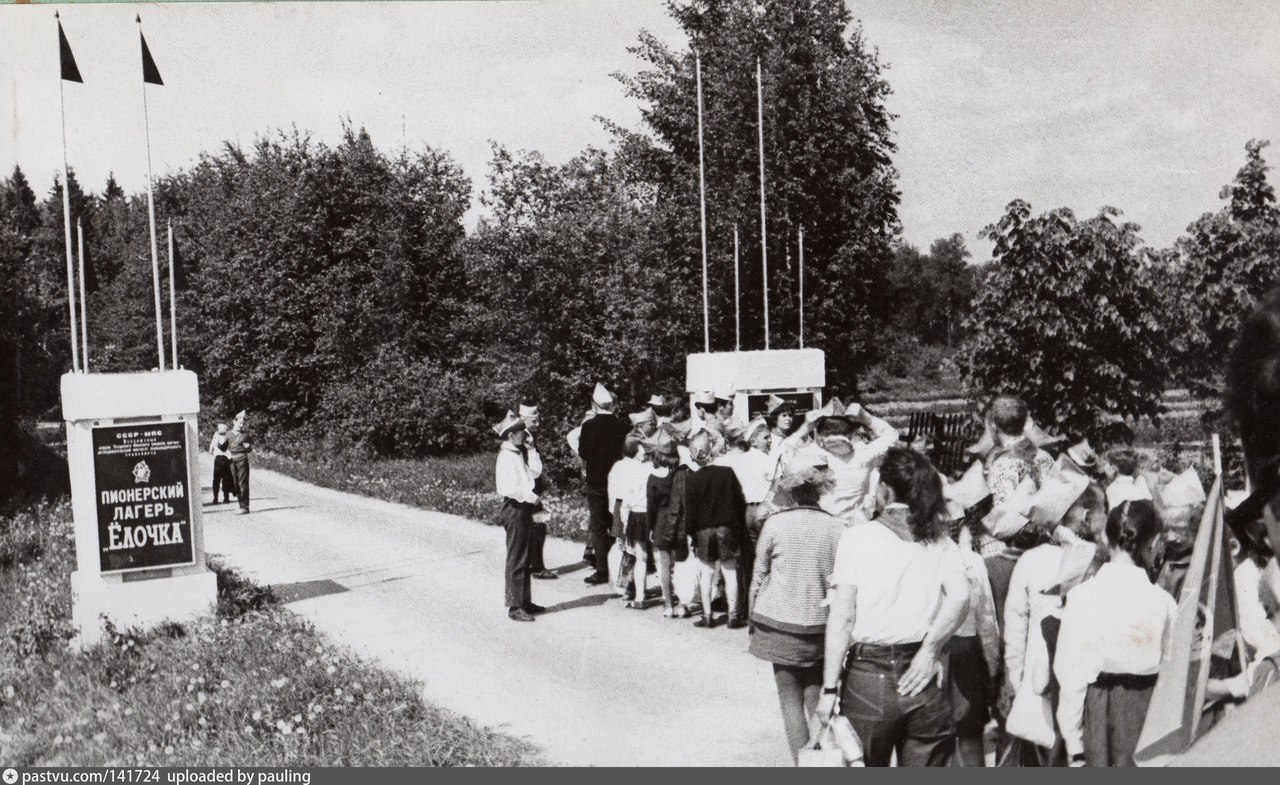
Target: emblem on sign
{"type": "Point", "coordinates": [141, 472]}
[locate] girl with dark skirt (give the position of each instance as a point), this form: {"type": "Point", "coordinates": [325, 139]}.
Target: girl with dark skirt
{"type": "Point", "coordinates": [1115, 627]}
{"type": "Point", "coordinates": [665, 513]}
{"type": "Point", "coordinates": [795, 555]}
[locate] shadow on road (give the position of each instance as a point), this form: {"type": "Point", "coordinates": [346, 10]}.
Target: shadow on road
{"type": "Point", "coordinates": [589, 601]}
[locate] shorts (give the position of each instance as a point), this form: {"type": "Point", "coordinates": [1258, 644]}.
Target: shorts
{"type": "Point", "coordinates": [719, 543]}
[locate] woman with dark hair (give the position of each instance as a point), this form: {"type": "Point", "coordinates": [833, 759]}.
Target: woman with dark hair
{"type": "Point", "coordinates": [1114, 629]}
{"type": "Point", "coordinates": [794, 557]}
{"type": "Point", "coordinates": [900, 594]}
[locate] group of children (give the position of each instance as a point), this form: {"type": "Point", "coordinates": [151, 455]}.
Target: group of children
{"type": "Point", "coordinates": [1047, 546]}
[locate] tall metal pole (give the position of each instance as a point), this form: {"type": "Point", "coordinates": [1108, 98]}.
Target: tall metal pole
{"type": "Point", "coordinates": [173, 308]}
{"type": "Point", "coordinates": [764, 241]}
{"type": "Point", "coordinates": [151, 212]}
{"type": "Point", "coordinates": [66, 225]}
{"type": "Point", "coordinates": [801, 287]}
{"type": "Point", "coordinates": [84, 316]}
{"type": "Point", "coordinates": [702, 201]}
{"type": "Point", "coordinates": [737, 319]}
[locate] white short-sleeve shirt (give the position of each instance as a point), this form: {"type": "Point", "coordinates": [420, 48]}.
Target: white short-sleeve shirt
{"type": "Point", "coordinates": [899, 583]}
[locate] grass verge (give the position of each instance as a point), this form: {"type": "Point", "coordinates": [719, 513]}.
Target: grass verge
{"type": "Point", "coordinates": [459, 485]}
{"type": "Point", "coordinates": [252, 685]}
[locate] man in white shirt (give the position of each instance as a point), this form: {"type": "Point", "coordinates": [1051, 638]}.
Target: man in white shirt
{"type": "Point", "coordinates": [516, 480]}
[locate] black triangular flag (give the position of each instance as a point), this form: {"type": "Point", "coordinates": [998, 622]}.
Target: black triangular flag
{"type": "Point", "coordinates": [150, 73]}
{"type": "Point", "coordinates": [68, 61]}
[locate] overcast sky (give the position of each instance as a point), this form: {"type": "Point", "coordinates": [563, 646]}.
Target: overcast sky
{"type": "Point", "coordinates": [1140, 104]}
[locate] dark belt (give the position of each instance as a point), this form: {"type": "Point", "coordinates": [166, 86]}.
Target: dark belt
{"type": "Point", "coordinates": [1131, 681]}
{"type": "Point", "coordinates": [883, 651]}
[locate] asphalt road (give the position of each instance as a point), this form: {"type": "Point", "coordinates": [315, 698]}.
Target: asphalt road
{"type": "Point", "coordinates": [590, 682]}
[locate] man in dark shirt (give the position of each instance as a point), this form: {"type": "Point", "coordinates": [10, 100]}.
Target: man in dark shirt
{"type": "Point", "coordinates": [600, 447]}
{"type": "Point", "coordinates": [716, 520]}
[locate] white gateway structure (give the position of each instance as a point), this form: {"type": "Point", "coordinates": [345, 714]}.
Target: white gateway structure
{"type": "Point", "coordinates": [795, 375]}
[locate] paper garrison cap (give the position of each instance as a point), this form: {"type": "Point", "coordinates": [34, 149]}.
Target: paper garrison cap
{"type": "Point", "coordinates": [754, 426]}
{"type": "Point", "coordinates": [242, 414]}
{"type": "Point", "coordinates": [1131, 489]}
{"type": "Point", "coordinates": [1182, 491]}
{"type": "Point", "coordinates": [508, 423]}
{"type": "Point", "coordinates": [724, 394]}
{"type": "Point", "coordinates": [600, 396]}
{"type": "Point", "coordinates": [970, 489]}
{"type": "Point", "coordinates": [773, 404]}
{"type": "Point", "coordinates": [1057, 493]}
{"type": "Point", "coordinates": [803, 466]}
{"type": "Point", "coordinates": [705, 398]}
{"type": "Point", "coordinates": [528, 411]}
{"type": "Point", "coordinates": [1083, 454]}
{"type": "Point", "coordinates": [645, 415]}
{"type": "Point", "coordinates": [1038, 436]}
{"type": "Point", "coordinates": [656, 400]}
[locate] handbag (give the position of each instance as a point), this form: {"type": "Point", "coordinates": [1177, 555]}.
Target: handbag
{"type": "Point", "coordinates": [835, 744]}
{"type": "Point", "coordinates": [622, 575]}
{"type": "Point", "coordinates": [1031, 718]}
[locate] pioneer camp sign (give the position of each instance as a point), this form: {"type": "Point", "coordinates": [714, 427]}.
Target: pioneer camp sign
{"type": "Point", "coordinates": [142, 496]}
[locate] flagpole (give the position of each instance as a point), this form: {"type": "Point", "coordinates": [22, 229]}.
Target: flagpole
{"type": "Point", "coordinates": [702, 204]}
{"type": "Point", "coordinates": [764, 243]}
{"type": "Point", "coordinates": [151, 213]}
{"type": "Point", "coordinates": [737, 319]}
{"type": "Point", "coordinates": [66, 225]}
{"type": "Point", "coordinates": [173, 307]}
{"type": "Point", "coordinates": [84, 316]}
{"type": "Point", "coordinates": [801, 287]}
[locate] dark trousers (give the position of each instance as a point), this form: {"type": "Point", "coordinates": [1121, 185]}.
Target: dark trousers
{"type": "Point", "coordinates": [222, 479]}
{"type": "Point", "coordinates": [240, 471]}
{"type": "Point", "coordinates": [747, 556]}
{"type": "Point", "coordinates": [517, 519]}
{"type": "Point", "coordinates": [600, 522]}
{"type": "Point", "coordinates": [919, 728]}
{"type": "Point", "coordinates": [1115, 708]}
{"type": "Point", "coordinates": [536, 541]}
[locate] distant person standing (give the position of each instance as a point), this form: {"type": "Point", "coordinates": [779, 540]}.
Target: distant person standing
{"type": "Point", "coordinates": [238, 449]}
{"type": "Point", "coordinates": [600, 447]}
{"type": "Point", "coordinates": [222, 479]}
{"type": "Point", "coordinates": [538, 567]}
{"type": "Point", "coordinates": [515, 480]}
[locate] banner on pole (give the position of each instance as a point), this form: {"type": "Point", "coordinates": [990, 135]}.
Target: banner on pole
{"type": "Point", "coordinates": [66, 59]}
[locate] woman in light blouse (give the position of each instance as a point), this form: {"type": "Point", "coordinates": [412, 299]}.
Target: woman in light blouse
{"type": "Point", "coordinates": [1115, 627]}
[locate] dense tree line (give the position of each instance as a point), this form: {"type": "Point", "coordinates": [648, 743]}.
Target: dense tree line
{"type": "Point", "coordinates": [335, 291]}
{"type": "Point", "coordinates": [1088, 324]}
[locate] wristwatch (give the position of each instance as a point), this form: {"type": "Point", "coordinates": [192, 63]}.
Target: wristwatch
{"type": "Point", "coordinates": [830, 690]}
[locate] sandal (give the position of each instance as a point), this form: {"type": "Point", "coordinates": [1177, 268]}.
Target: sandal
{"type": "Point", "coordinates": [668, 612]}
